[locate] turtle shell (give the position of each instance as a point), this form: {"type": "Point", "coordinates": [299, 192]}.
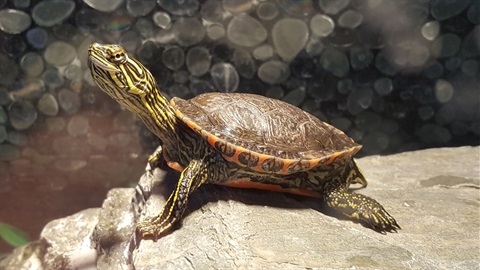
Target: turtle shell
{"type": "Point", "coordinates": [263, 134]}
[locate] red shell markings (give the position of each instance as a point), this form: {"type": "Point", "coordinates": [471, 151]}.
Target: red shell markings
{"type": "Point", "coordinates": [263, 134]}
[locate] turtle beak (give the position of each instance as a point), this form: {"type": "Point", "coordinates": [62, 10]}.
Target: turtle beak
{"type": "Point", "coordinates": [97, 58]}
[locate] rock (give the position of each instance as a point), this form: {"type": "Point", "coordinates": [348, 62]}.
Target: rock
{"type": "Point", "coordinates": [14, 21]}
{"type": "Point", "coordinates": [432, 198]}
{"type": "Point", "coordinates": [64, 244]}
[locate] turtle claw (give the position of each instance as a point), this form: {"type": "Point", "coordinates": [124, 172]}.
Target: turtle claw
{"type": "Point", "coordinates": [380, 220]}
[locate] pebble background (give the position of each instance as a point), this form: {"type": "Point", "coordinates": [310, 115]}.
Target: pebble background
{"type": "Point", "coordinates": [394, 75]}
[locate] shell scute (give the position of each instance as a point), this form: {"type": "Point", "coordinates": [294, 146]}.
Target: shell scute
{"type": "Point", "coordinates": [263, 134]}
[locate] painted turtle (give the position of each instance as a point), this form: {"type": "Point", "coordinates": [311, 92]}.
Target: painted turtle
{"type": "Point", "coordinates": [237, 140]}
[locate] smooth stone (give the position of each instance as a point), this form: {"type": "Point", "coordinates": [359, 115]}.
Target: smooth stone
{"type": "Point", "coordinates": [198, 60]}
{"type": "Point", "coordinates": [52, 78]}
{"type": "Point", "coordinates": [430, 30]}
{"type": "Point", "coordinates": [55, 124]}
{"type": "Point", "coordinates": [37, 37]}
{"type": "Point", "coordinates": [434, 70]}
{"type": "Point", "coordinates": [73, 72]}
{"type": "Point", "coordinates": [17, 138]}
{"type": "Point", "coordinates": [3, 134]}
{"type": "Point", "coordinates": [446, 45]}
{"type": "Point", "coordinates": [341, 123]}
{"type": "Point", "coordinates": [15, 46]}
{"type": "Point", "coordinates": [104, 5]}
{"type": "Point", "coordinates": [289, 37]}
{"type": "Point", "coordinates": [333, 7]}
{"type": "Point", "coordinates": [246, 31]}
{"type": "Point", "coordinates": [8, 70]}
{"type": "Point", "coordinates": [470, 47]}
{"type": "Point", "coordinates": [60, 53]}
{"type": "Point", "coordinates": [453, 63]}
{"type": "Point", "coordinates": [385, 64]}
{"type": "Point", "coordinates": [301, 8]}
{"type": "Point", "coordinates": [273, 72]}
{"type": "Point", "coordinates": [21, 3]}
{"type": "Point", "coordinates": [117, 23]}
{"type": "Point", "coordinates": [198, 87]}
{"type": "Point", "coordinates": [162, 20]}
{"type": "Point", "coordinates": [470, 67]}
{"type": "Point", "coordinates": [78, 126]}
{"type": "Point", "coordinates": [267, 11]}
{"type": "Point", "coordinates": [321, 25]}
{"type": "Point", "coordinates": [215, 31]}
{"type": "Point", "coordinates": [66, 32]}
{"type": "Point", "coordinates": [130, 40]}
{"type": "Point", "coordinates": [179, 8]}
{"type": "Point", "coordinates": [473, 13]}
{"type": "Point", "coordinates": [275, 92]}
{"type": "Point", "coordinates": [51, 12]}
{"type": "Point", "coordinates": [14, 21]}
{"type": "Point", "coordinates": [188, 31]}
{"type": "Point", "coordinates": [444, 91]}
{"type": "Point", "coordinates": [180, 76]}
{"type": "Point", "coordinates": [179, 90]}
{"type": "Point", "coordinates": [69, 101]}
{"type": "Point", "coordinates": [335, 61]}
{"type": "Point", "coordinates": [263, 52]}
{"type": "Point", "coordinates": [295, 97]}
{"type": "Point", "coordinates": [90, 20]}
{"type": "Point", "coordinates": [139, 8]}
{"type": "Point", "coordinates": [359, 100]}
{"type": "Point", "coordinates": [350, 19]}
{"type": "Point", "coordinates": [237, 6]}
{"type": "Point", "coordinates": [383, 86]}
{"type": "Point", "coordinates": [144, 27]}
{"type": "Point", "coordinates": [411, 54]}
{"type": "Point", "coordinates": [22, 115]}
{"type": "Point", "coordinates": [173, 58]}
{"type": "Point", "coordinates": [425, 112]}
{"type": "Point", "coordinates": [32, 64]}
{"type": "Point", "coordinates": [5, 98]}
{"type": "Point", "coordinates": [224, 77]}
{"type": "Point", "coordinates": [9, 152]}
{"type": "Point", "coordinates": [442, 10]}
{"type": "Point", "coordinates": [3, 116]}
{"type": "Point", "coordinates": [360, 57]}
{"type": "Point", "coordinates": [244, 63]}
{"type": "Point", "coordinates": [48, 105]}
{"type": "Point", "coordinates": [212, 11]}
{"type": "Point", "coordinates": [30, 89]}
{"type": "Point", "coordinates": [314, 46]}
{"type": "Point", "coordinates": [345, 86]}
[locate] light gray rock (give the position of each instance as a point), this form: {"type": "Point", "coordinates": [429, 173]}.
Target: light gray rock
{"type": "Point", "coordinates": [433, 194]}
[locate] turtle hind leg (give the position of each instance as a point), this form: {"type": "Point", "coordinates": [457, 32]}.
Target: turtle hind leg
{"type": "Point", "coordinates": [359, 207]}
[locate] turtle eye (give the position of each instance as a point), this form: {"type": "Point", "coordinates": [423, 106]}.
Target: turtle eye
{"type": "Point", "coordinates": [117, 57]}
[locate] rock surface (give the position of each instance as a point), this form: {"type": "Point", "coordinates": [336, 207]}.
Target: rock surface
{"type": "Point", "coordinates": [433, 194]}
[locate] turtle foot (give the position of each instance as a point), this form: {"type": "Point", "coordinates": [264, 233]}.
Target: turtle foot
{"type": "Point", "coordinates": [363, 209]}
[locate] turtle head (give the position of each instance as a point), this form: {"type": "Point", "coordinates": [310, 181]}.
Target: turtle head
{"type": "Point", "coordinates": [123, 78]}
{"type": "Point", "coordinates": [130, 83]}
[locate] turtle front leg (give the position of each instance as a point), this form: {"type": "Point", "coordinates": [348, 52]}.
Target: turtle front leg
{"type": "Point", "coordinates": [193, 176]}
{"type": "Point", "coordinates": [157, 160]}
{"type": "Point", "coordinates": [359, 207]}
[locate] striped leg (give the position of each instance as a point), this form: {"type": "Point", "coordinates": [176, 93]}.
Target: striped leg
{"type": "Point", "coordinates": [194, 175]}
